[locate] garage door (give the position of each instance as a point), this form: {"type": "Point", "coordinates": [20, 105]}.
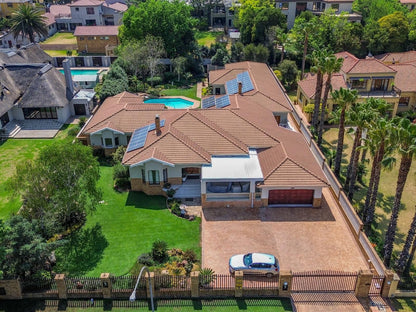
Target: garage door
{"type": "Point", "coordinates": [292, 197]}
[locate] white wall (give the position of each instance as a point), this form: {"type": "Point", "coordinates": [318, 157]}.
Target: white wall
{"type": "Point", "coordinates": [63, 113]}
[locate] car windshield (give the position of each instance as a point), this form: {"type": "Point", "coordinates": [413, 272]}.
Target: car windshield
{"type": "Point", "coordinates": [247, 259]}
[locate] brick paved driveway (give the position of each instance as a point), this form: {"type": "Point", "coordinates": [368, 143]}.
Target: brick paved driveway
{"type": "Point", "coordinates": [303, 239]}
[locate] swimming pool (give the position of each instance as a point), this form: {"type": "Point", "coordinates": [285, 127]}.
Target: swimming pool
{"type": "Point", "coordinates": [82, 72]}
{"type": "Point", "coordinates": [171, 102]}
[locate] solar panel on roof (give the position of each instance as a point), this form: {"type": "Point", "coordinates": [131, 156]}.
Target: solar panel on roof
{"type": "Point", "coordinates": [222, 101]}
{"type": "Point", "coordinates": [232, 86]}
{"type": "Point", "coordinates": [208, 102]}
{"type": "Point", "coordinates": [244, 78]}
{"type": "Point", "coordinates": [138, 139]}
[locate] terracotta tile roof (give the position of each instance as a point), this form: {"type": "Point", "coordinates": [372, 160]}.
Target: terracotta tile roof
{"type": "Point", "coordinates": [86, 3]}
{"type": "Point", "coordinates": [96, 31]}
{"type": "Point", "coordinates": [366, 66]}
{"type": "Point", "coordinates": [405, 78]}
{"type": "Point", "coordinates": [117, 6]}
{"type": "Point", "coordinates": [308, 84]}
{"type": "Point", "coordinates": [408, 1]}
{"type": "Point", "coordinates": [349, 60]}
{"type": "Point", "coordinates": [60, 10]}
{"type": "Point", "coordinates": [399, 57]}
{"type": "Point", "coordinates": [49, 18]}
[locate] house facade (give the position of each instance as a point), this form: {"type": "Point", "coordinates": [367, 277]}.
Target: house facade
{"type": "Point", "coordinates": [410, 4]}
{"type": "Point", "coordinates": [229, 153]}
{"type": "Point", "coordinates": [97, 39]}
{"type": "Point", "coordinates": [293, 8]}
{"type": "Point", "coordinates": [371, 78]}
{"type": "Point", "coordinates": [8, 6]}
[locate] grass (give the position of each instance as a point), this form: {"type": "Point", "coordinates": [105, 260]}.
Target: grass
{"type": "Point", "coordinates": [61, 38]}
{"type": "Point", "coordinates": [229, 305]}
{"type": "Point", "coordinates": [60, 52]}
{"type": "Point", "coordinates": [121, 229]}
{"type": "Point", "coordinates": [189, 92]}
{"type": "Point", "coordinates": [206, 38]}
{"type": "Point", "coordinates": [403, 304]}
{"type": "Point", "coordinates": [12, 152]}
{"type": "Point", "coordinates": [386, 191]}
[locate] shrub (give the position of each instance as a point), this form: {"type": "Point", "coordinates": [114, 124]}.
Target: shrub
{"type": "Point", "coordinates": [123, 183]}
{"type": "Point", "coordinates": [98, 152]}
{"type": "Point", "coordinates": [73, 131]}
{"type": "Point", "coordinates": [309, 108]}
{"type": "Point", "coordinates": [167, 185]}
{"type": "Point", "coordinates": [145, 259]}
{"type": "Point", "coordinates": [190, 256]}
{"type": "Point", "coordinates": [175, 209]}
{"type": "Point", "coordinates": [159, 251]}
{"type": "Point", "coordinates": [206, 276]}
{"type": "Point", "coordinates": [120, 172]}
{"type": "Point", "coordinates": [170, 193]}
{"type": "Point", "coordinates": [82, 121]}
{"type": "Point", "coordinates": [118, 154]}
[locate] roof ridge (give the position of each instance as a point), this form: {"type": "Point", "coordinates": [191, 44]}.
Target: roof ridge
{"type": "Point", "coordinates": [274, 100]}
{"type": "Point", "coordinates": [226, 71]}
{"type": "Point", "coordinates": [275, 168]}
{"type": "Point", "coordinates": [212, 125]}
{"type": "Point", "coordinates": [308, 171]}
{"type": "Point", "coordinates": [179, 135]}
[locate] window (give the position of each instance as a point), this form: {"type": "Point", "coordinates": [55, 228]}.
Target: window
{"type": "Point", "coordinates": [359, 84]}
{"type": "Point", "coordinates": [77, 9]}
{"type": "Point", "coordinates": [90, 10]}
{"type": "Point", "coordinates": [217, 91]}
{"type": "Point", "coordinates": [284, 6]}
{"type": "Point", "coordinates": [335, 6]}
{"type": "Point", "coordinates": [116, 139]}
{"type": "Point", "coordinates": [81, 38]}
{"type": "Point", "coordinates": [128, 139]}
{"type": "Point", "coordinates": [404, 101]}
{"type": "Point", "coordinates": [143, 176]}
{"type": "Point", "coordinates": [154, 177]}
{"type": "Point", "coordinates": [108, 142]}
{"type": "Point", "coordinates": [90, 38]}
{"type": "Point", "coordinates": [165, 175]}
{"type": "Point", "coordinates": [40, 113]}
{"type": "Point", "coordinates": [9, 5]}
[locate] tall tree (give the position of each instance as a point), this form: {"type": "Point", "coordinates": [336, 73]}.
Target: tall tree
{"type": "Point", "coordinates": [27, 21]}
{"type": "Point", "coordinates": [405, 137]}
{"type": "Point", "coordinates": [344, 98]}
{"type": "Point", "coordinates": [396, 26]}
{"type": "Point", "coordinates": [318, 61]}
{"type": "Point", "coordinates": [282, 39]}
{"type": "Point", "coordinates": [115, 82]}
{"type": "Point", "coordinates": [179, 66]}
{"type": "Point", "coordinates": [154, 51]}
{"type": "Point", "coordinates": [405, 255]}
{"type": "Point", "coordinates": [332, 65]}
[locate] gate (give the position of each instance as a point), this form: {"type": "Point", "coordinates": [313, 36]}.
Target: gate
{"type": "Point", "coordinates": [324, 281]}
{"type": "Point", "coordinates": [376, 285]}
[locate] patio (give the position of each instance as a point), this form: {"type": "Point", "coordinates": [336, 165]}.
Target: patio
{"type": "Point", "coordinates": [32, 129]}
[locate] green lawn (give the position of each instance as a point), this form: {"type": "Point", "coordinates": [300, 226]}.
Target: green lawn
{"type": "Point", "coordinates": [217, 305]}
{"type": "Point", "coordinates": [403, 304]}
{"type": "Point", "coordinates": [121, 229]}
{"type": "Point", "coordinates": [184, 91]}
{"type": "Point", "coordinates": [386, 191]}
{"type": "Point", "coordinates": [207, 38]}
{"type": "Point", "coordinates": [60, 52]}
{"type": "Point", "coordinates": [61, 38]}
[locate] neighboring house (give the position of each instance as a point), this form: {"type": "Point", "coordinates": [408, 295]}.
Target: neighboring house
{"type": "Point", "coordinates": [8, 6]}
{"type": "Point", "coordinates": [8, 40]}
{"type": "Point", "coordinates": [293, 8]}
{"type": "Point", "coordinates": [232, 152]}
{"type": "Point", "coordinates": [31, 88]}
{"type": "Point", "coordinates": [50, 23]}
{"type": "Point", "coordinates": [222, 14]}
{"type": "Point", "coordinates": [370, 77]}
{"type": "Point", "coordinates": [88, 13]}
{"type": "Point", "coordinates": [410, 4]}
{"type": "Point", "coordinates": [97, 39]}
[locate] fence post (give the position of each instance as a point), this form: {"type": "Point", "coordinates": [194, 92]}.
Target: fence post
{"type": "Point", "coordinates": [152, 279]}
{"type": "Point", "coordinates": [285, 283]}
{"type": "Point", "coordinates": [364, 280]}
{"type": "Point", "coordinates": [390, 284]}
{"type": "Point", "coordinates": [61, 286]}
{"type": "Point", "coordinates": [10, 289]}
{"type": "Point", "coordinates": [106, 285]}
{"type": "Point", "coordinates": [195, 284]}
{"type": "Point", "coordinates": [238, 284]}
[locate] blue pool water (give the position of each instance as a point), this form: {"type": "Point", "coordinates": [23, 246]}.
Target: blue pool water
{"type": "Point", "coordinates": [171, 102]}
{"type": "Point", "coordinates": [82, 72]}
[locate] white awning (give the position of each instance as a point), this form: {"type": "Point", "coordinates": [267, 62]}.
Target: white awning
{"type": "Point", "coordinates": [233, 168]}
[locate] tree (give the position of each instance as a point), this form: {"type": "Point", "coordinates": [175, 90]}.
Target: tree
{"type": "Point", "coordinates": [179, 66]}
{"type": "Point", "coordinates": [396, 26]}
{"type": "Point", "coordinates": [154, 51]}
{"type": "Point", "coordinates": [373, 10]}
{"type": "Point", "coordinates": [26, 251]}
{"type": "Point", "coordinates": [289, 72]}
{"type": "Point", "coordinates": [237, 54]}
{"type": "Point", "coordinates": [254, 17]}
{"type": "Point", "coordinates": [375, 38]}
{"type": "Point", "coordinates": [282, 39]}
{"type": "Point", "coordinates": [404, 135]}
{"type": "Point", "coordinates": [255, 53]}
{"type": "Point", "coordinates": [221, 56]}
{"type": "Point", "coordinates": [405, 255]}
{"type": "Point", "coordinates": [28, 20]}
{"type": "Point", "coordinates": [115, 81]}
{"type": "Point", "coordinates": [134, 55]}
{"type": "Point", "coordinates": [332, 65]}
{"type": "Point", "coordinates": [344, 98]}
{"type": "Point", "coordinates": [59, 187]}
{"type": "Point", "coordinates": [169, 20]}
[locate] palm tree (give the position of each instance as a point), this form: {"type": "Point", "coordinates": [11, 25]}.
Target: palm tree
{"type": "Point", "coordinates": [332, 65]}
{"type": "Point", "coordinates": [380, 144]}
{"type": "Point", "coordinates": [28, 20]}
{"type": "Point", "coordinates": [318, 60]}
{"type": "Point", "coordinates": [410, 240]}
{"type": "Point", "coordinates": [344, 98]}
{"type": "Point", "coordinates": [405, 136]}
{"type": "Point", "coordinates": [282, 38]}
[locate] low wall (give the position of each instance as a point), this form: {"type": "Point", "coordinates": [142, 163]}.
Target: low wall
{"type": "Point", "coordinates": [58, 46]}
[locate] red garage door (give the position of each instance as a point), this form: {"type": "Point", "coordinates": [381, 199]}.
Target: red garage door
{"type": "Point", "coordinates": [292, 197]}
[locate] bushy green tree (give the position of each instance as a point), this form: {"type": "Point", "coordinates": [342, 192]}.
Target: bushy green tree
{"type": "Point", "coordinates": [396, 26]}
{"type": "Point", "coordinates": [289, 72]}
{"type": "Point", "coordinates": [237, 49]}
{"type": "Point", "coordinates": [221, 57]}
{"type": "Point", "coordinates": [115, 81]}
{"type": "Point", "coordinates": [59, 187]}
{"type": "Point", "coordinates": [169, 20]}
{"type": "Point", "coordinates": [256, 53]}
{"type": "Point", "coordinates": [373, 10]}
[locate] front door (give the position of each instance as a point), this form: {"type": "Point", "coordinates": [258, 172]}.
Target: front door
{"type": "Point", "coordinates": [79, 109]}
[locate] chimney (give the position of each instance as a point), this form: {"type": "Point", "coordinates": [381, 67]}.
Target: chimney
{"type": "Point", "coordinates": [68, 79]}
{"type": "Point", "coordinates": [157, 125]}
{"type": "Point", "coordinates": [240, 88]}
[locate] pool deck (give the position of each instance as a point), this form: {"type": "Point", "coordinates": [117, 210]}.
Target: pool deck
{"type": "Point", "coordinates": [196, 104]}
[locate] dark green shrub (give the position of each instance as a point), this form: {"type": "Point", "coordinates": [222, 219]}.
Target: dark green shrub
{"type": "Point", "coordinates": [190, 256]}
{"type": "Point", "coordinates": [170, 193]}
{"type": "Point", "coordinates": [123, 183]}
{"type": "Point", "coordinates": [98, 152]}
{"type": "Point", "coordinates": [120, 172]}
{"type": "Point", "coordinates": [145, 259]}
{"type": "Point", "coordinates": [206, 276]}
{"type": "Point", "coordinates": [118, 154]}
{"type": "Point", "coordinates": [73, 131]}
{"type": "Point", "coordinates": [159, 251]}
{"type": "Point", "coordinates": [175, 209]}
{"type": "Point", "coordinates": [82, 121]}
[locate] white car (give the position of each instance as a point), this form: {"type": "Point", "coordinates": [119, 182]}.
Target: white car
{"type": "Point", "coordinates": [259, 263]}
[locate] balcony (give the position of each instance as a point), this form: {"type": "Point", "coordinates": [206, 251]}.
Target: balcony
{"type": "Point", "coordinates": [380, 93]}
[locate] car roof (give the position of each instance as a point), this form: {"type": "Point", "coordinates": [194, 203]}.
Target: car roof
{"type": "Point", "coordinates": [262, 258]}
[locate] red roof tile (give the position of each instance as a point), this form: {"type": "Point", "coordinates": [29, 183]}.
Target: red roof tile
{"type": "Point", "coordinates": [96, 31]}
{"type": "Point", "coordinates": [405, 78]}
{"type": "Point", "coordinates": [86, 3]}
